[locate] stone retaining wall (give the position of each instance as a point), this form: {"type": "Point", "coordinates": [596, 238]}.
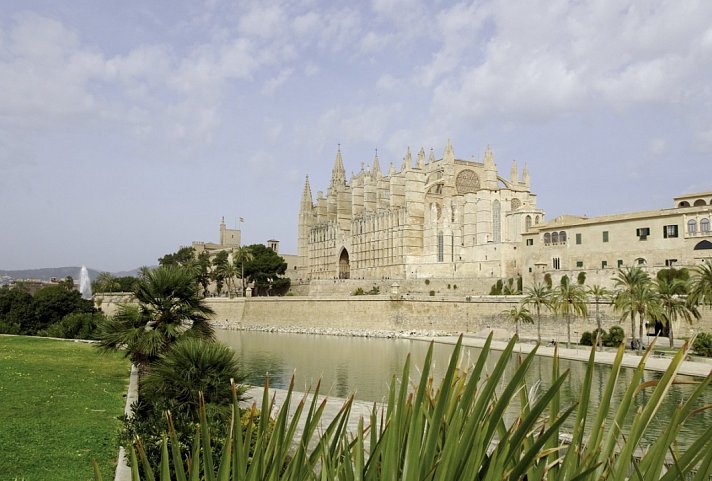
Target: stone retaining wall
{"type": "Point", "coordinates": [410, 313]}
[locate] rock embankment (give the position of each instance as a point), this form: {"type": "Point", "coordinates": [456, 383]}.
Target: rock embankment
{"type": "Point", "coordinates": [332, 331]}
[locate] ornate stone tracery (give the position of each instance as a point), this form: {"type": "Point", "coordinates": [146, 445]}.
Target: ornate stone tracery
{"type": "Point", "coordinates": [467, 181]}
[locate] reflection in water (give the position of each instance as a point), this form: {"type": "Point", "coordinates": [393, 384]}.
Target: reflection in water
{"type": "Point", "coordinates": [366, 366]}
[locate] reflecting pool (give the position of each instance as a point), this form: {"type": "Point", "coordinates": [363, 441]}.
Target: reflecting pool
{"type": "Point", "coordinates": [365, 366]}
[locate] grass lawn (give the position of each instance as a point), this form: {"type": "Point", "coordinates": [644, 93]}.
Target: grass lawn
{"type": "Point", "coordinates": [59, 403]}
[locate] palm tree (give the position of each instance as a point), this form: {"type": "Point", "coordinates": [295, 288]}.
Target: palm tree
{"type": "Point", "coordinates": [626, 282]}
{"type": "Point", "coordinates": [701, 289]}
{"type": "Point", "coordinates": [168, 307]}
{"type": "Point", "coordinates": [240, 257]}
{"type": "Point", "coordinates": [538, 296]}
{"type": "Point", "coordinates": [672, 295]}
{"type": "Point", "coordinates": [519, 314]}
{"type": "Point", "coordinates": [220, 269]}
{"type": "Point", "coordinates": [570, 300]}
{"type": "Point", "coordinates": [598, 292]}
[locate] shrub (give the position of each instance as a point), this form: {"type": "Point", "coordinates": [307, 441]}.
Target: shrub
{"type": "Point", "coordinates": [358, 292]}
{"type": "Point", "coordinates": [547, 280]}
{"type": "Point", "coordinates": [616, 336]}
{"type": "Point", "coordinates": [449, 286]}
{"type": "Point", "coordinates": [427, 282]}
{"type": "Point", "coordinates": [703, 344]}
{"type": "Point", "coordinates": [172, 384]}
{"type": "Point", "coordinates": [586, 339]}
{"type": "Point", "coordinates": [375, 290]}
{"type": "Point", "coordinates": [432, 293]}
{"type": "Point", "coordinates": [581, 278]}
{"type": "Point", "coordinates": [78, 325]}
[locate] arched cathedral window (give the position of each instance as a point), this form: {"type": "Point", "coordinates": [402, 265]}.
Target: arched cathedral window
{"type": "Point", "coordinates": [496, 222]}
{"type": "Point", "coordinates": [441, 247]}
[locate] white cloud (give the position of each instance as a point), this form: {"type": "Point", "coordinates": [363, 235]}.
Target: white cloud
{"type": "Point", "coordinates": [538, 60]}
{"type": "Point", "coordinates": [272, 84]}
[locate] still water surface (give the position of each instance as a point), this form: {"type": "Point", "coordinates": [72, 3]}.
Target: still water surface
{"type": "Point", "coordinates": [365, 366]}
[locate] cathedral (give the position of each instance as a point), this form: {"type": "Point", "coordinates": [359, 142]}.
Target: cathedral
{"type": "Point", "coordinates": [435, 218]}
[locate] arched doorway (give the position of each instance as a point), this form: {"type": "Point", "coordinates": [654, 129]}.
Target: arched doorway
{"type": "Point", "coordinates": [344, 269]}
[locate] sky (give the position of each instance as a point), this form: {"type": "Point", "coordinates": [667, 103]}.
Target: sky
{"type": "Point", "coordinates": [129, 129]}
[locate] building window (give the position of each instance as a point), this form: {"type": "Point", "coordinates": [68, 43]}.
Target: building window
{"type": "Point", "coordinates": [640, 261]}
{"type": "Point", "coordinates": [527, 222]}
{"type": "Point", "coordinates": [441, 247]}
{"type": "Point", "coordinates": [604, 264]}
{"type": "Point", "coordinates": [670, 262]}
{"type": "Point", "coordinates": [555, 238]}
{"type": "Point", "coordinates": [705, 225]}
{"type": "Point", "coordinates": [530, 242]}
{"type": "Point", "coordinates": [605, 236]}
{"type": "Point", "coordinates": [642, 233]}
{"type": "Point", "coordinates": [547, 239]}
{"type": "Point", "coordinates": [620, 263]}
{"type": "Point", "coordinates": [496, 221]}
{"type": "Point", "coordinates": [579, 264]}
{"type": "Point", "coordinates": [562, 237]}
{"type": "Point", "coordinates": [692, 226]}
{"type": "Point", "coordinates": [669, 231]}
{"type": "Point", "coordinates": [578, 238]}
{"type": "Point", "coordinates": [556, 263]}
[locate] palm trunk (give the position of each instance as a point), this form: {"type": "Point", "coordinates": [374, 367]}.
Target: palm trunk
{"type": "Point", "coordinates": [632, 325]}
{"type": "Point", "coordinates": [538, 325]}
{"type": "Point", "coordinates": [568, 331]}
{"type": "Point", "coordinates": [598, 334]}
{"type": "Point", "coordinates": [640, 332]}
{"type": "Point", "coordinates": [670, 335]}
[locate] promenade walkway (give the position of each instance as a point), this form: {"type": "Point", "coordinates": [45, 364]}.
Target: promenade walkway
{"type": "Point", "coordinates": [582, 353]}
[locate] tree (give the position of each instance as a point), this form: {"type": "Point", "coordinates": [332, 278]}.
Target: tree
{"type": "Point", "coordinates": [570, 300]}
{"type": "Point", "coordinates": [672, 287]}
{"type": "Point", "coordinates": [168, 308]}
{"type": "Point", "coordinates": [265, 270]}
{"type": "Point", "coordinates": [598, 292]}
{"type": "Point", "coordinates": [701, 289]}
{"type": "Point", "coordinates": [182, 257]}
{"type": "Point", "coordinates": [104, 282]}
{"type": "Point", "coordinates": [519, 314]}
{"type": "Point", "coordinates": [17, 310]}
{"type": "Point", "coordinates": [626, 282]}
{"type": "Point", "coordinates": [52, 303]}
{"type": "Point", "coordinates": [221, 270]}
{"type": "Point", "coordinates": [201, 270]}
{"type": "Point", "coordinates": [538, 296]}
{"type": "Point", "coordinates": [241, 256]}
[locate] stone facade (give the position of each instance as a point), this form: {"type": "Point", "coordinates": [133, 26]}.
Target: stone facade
{"type": "Point", "coordinates": [680, 236]}
{"type": "Point", "coordinates": [437, 218]}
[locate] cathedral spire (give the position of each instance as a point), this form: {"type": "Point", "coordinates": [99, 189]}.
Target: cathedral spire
{"type": "Point", "coordinates": [421, 159]}
{"type": "Point", "coordinates": [391, 170]}
{"type": "Point", "coordinates": [407, 161]}
{"type": "Point", "coordinates": [338, 174]}
{"type": "Point", "coordinates": [449, 154]}
{"type": "Point", "coordinates": [489, 158]}
{"type": "Point", "coordinates": [525, 175]}
{"type": "Point", "coordinates": [431, 159]}
{"type": "Point", "coordinates": [307, 195]}
{"type": "Point", "coordinates": [376, 171]}
{"type": "Point", "coordinates": [513, 172]}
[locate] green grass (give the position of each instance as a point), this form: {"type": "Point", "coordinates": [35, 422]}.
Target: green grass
{"type": "Point", "coordinates": [59, 403]}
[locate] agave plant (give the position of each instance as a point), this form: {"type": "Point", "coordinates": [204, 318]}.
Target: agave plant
{"type": "Point", "coordinates": [454, 431]}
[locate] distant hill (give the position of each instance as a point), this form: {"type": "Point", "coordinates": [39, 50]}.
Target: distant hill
{"type": "Point", "coordinates": [60, 273]}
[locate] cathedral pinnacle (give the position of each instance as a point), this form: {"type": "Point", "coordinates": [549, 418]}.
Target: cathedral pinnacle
{"type": "Point", "coordinates": [407, 161]}
{"type": "Point", "coordinates": [431, 159]}
{"type": "Point", "coordinates": [338, 174]}
{"type": "Point", "coordinates": [420, 162]}
{"type": "Point", "coordinates": [376, 171]}
{"type": "Point", "coordinates": [307, 195]}
{"type": "Point", "coordinates": [449, 154]}
{"type": "Point", "coordinates": [489, 158]}
{"type": "Point", "coordinates": [513, 172]}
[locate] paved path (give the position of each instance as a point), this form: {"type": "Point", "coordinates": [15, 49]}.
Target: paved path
{"type": "Point", "coordinates": [689, 368]}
